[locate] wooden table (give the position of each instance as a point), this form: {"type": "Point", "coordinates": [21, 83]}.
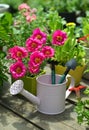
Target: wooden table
{"type": "Point", "coordinates": [31, 119]}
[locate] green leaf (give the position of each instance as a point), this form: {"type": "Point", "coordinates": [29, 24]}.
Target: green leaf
{"type": "Point", "coordinates": [2, 54]}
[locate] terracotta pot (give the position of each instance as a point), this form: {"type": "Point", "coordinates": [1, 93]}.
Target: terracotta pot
{"type": "Point", "coordinates": [77, 73]}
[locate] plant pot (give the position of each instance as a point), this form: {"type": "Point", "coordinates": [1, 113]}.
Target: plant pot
{"type": "Point", "coordinates": [69, 16]}
{"type": "Point", "coordinates": [77, 73]}
{"type": "Point", "coordinates": [4, 8]}
{"type": "Point", "coordinates": [30, 83]}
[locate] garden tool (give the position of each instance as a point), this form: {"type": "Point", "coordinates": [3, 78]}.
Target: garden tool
{"type": "Point", "coordinates": [53, 79]}
{"type": "Point", "coordinates": [71, 64]}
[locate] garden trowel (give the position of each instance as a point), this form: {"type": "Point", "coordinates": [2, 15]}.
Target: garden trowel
{"type": "Point", "coordinates": [71, 64]}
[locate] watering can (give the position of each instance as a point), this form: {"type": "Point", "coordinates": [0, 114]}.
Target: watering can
{"type": "Point", "coordinates": [50, 98]}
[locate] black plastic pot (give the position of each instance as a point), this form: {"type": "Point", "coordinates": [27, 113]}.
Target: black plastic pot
{"type": "Point", "coordinates": [69, 16]}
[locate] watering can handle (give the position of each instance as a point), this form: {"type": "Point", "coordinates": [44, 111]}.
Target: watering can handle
{"type": "Point", "coordinates": [72, 84]}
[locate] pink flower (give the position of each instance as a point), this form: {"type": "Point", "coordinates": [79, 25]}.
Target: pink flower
{"type": "Point", "coordinates": [28, 18]}
{"type": "Point", "coordinates": [48, 51]}
{"type": "Point", "coordinates": [16, 23]}
{"type": "Point", "coordinates": [33, 69]}
{"type": "Point", "coordinates": [24, 6]}
{"type": "Point", "coordinates": [27, 13]}
{"type": "Point", "coordinates": [33, 17]}
{"type": "Point", "coordinates": [18, 70]}
{"type": "Point", "coordinates": [36, 58]}
{"type": "Point", "coordinates": [18, 52]}
{"type": "Point", "coordinates": [59, 37]}
{"type": "Point", "coordinates": [38, 34]}
{"type": "Point", "coordinates": [34, 10]}
{"type": "Point", "coordinates": [33, 44]}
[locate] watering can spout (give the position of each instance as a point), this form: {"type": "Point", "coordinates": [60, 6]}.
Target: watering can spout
{"type": "Point", "coordinates": [17, 87]}
{"type": "Point", "coordinates": [70, 86]}
{"type": "Point", "coordinates": [35, 100]}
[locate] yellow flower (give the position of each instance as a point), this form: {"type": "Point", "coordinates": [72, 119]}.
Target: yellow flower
{"type": "Point", "coordinates": [71, 24]}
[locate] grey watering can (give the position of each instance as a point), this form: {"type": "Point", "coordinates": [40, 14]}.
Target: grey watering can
{"type": "Point", "coordinates": [50, 98]}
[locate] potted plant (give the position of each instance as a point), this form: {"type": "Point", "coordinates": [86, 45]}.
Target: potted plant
{"type": "Point", "coordinates": [71, 49]}
{"type": "Point", "coordinates": [12, 32]}
{"type": "Point", "coordinates": [28, 20]}
{"type": "Point", "coordinates": [35, 53]}
{"type": "Point", "coordinates": [25, 22]}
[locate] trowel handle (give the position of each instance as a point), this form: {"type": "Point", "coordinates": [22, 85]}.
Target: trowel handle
{"type": "Point", "coordinates": [53, 78]}
{"type": "Point", "coordinates": [64, 76]}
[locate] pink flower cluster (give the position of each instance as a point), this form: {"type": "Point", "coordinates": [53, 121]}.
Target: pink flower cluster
{"type": "Point", "coordinates": [29, 59]}
{"type": "Point", "coordinates": [27, 12]}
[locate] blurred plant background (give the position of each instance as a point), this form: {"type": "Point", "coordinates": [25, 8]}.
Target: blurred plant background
{"type": "Point", "coordinates": [48, 13]}
{"type": "Point", "coordinates": [59, 5]}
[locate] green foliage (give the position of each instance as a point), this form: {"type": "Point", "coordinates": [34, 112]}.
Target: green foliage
{"type": "Point", "coordinates": [85, 25]}
{"type": "Point", "coordinates": [5, 24]}
{"type": "Point", "coordinates": [59, 5]}
{"type": "Point", "coordinates": [71, 49]}
{"type": "Point", "coordinates": [82, 109]}
{"type": "Point", "coordinates": [49, 22]}
{"type": "Point", "coordinates": [3, 68]}
{"type": "Point", "coordinates": [18, 34]}
{"type": "Point", "coordinates": [5, 29]}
